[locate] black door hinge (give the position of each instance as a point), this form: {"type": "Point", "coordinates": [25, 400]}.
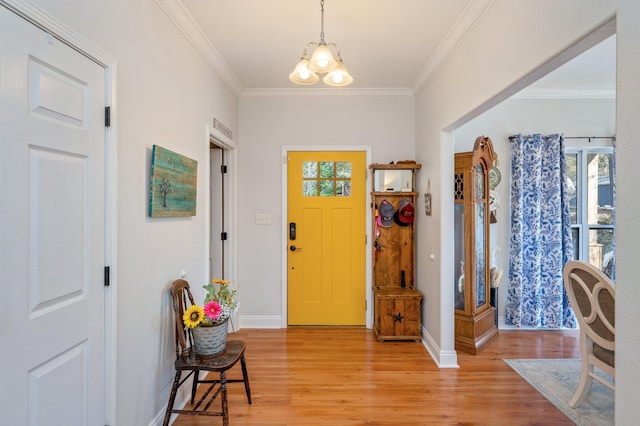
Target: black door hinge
{"type": "Point", "coordinates": [223, 169]}
{"type": "Point", "coordinates": [223, 236]}
{"type": "Point", "coordinates": [107, 278]}
{"type": "Point", "coordinates": [107, 116]}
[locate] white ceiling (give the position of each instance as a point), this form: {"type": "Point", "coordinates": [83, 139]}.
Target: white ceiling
{"type": "Point", "coordinates": [592, 74]}
{"type": "Point", "coordinates": [384, 44]}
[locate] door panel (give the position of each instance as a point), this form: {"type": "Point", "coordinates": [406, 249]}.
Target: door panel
{"type": "Point", "coordinates": [52, 229]}
{"type": "Point", "coordinates": [326, 260]}
{"type": "Point", "coordinates": [341, 257]}
{"type": "Point", "coordinates": [57, 239]}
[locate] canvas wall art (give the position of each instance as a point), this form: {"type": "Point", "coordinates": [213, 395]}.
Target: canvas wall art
{"type": "Point", "coordinates": [172, 191]}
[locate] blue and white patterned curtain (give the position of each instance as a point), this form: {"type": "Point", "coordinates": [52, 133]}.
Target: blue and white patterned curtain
{"type": "Point", "coordinates": [540, 233]}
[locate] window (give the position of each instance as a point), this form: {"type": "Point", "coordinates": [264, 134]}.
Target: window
{"type": "Point", "coordinates": [326, 178]}
{"type": "Point", "coordinates": [591, 172]}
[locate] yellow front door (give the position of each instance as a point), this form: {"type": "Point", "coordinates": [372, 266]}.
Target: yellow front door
{"type": "Point", "coordinates": [326, 238]}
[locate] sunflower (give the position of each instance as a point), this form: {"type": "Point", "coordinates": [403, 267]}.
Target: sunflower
{"type": "Point", "coordinates": [221, 282]}
{"type": "Point", "coordinates": [193, 316]}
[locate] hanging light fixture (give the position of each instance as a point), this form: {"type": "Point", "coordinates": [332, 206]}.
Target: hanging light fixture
{"type": "Point", "coordinates": [321, 62]}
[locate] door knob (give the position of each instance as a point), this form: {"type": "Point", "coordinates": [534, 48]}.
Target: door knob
{"type": "Point", "coordinates": [294, 248]}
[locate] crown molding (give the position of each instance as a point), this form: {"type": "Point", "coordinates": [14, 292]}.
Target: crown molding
{"type": "Point", "coordinates": [466, 22]}
{"type": "Point", "coordinates": [178, 13]}
{"type": "Point", "coordinates": [533, 93]}
{"type": "Point", "coordinates": [180, 16]}
{"type": "Point", "coordinates": [326, 93]}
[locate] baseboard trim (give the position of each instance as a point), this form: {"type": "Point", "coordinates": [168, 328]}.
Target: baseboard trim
{"type": "Point", "coordinates": [260, 321]}
{"type": "Point", "coordinates": [443, 359]}
{"type": "Point", "coordinates": [182, 397]}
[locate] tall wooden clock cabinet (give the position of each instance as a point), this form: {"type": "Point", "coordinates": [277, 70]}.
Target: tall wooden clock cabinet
{"type": "Point", "coordinates": [474, 316]}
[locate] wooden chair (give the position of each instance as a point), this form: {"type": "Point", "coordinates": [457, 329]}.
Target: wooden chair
{"type": "Point", "coordinates": [592, 296]}
{"type": "Point", "coordinates": [187, 361]}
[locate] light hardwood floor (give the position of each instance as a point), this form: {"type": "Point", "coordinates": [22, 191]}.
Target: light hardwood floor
{"type": "Point", "coordinates": [343, 376]}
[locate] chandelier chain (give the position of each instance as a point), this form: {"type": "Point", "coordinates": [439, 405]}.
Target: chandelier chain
{"type": "Point", "coordinates": [321, 21]}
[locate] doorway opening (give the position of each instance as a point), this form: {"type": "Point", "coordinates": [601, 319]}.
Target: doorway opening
{"type": "Point", "coordinates": [222, 207]}
{"type": "Point", "coordinates": [546, 101]}
{"type": "Point", "coordinates": [218, 234]}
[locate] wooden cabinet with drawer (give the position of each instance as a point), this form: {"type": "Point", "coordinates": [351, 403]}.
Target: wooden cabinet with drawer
{"type": "Point", "coordinates": [397, 313]}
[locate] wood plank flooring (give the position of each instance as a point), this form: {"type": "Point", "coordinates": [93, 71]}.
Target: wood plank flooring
{"type": "Point", "coordinates": [343, 376]}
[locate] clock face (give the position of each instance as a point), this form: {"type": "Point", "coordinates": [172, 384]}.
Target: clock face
{"type": "Point", "coordinates": [494, 177]}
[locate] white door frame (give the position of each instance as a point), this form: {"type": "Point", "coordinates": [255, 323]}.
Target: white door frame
{"type": "Point", "coordinates": [284, 226]}
{"type": "Point", "coordinates": [230, 206]}
{"type": "Point", "coordinates": [67, 36]}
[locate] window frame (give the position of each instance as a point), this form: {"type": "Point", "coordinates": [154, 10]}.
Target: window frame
{"type": "Point", "coordinates": [582, 225]}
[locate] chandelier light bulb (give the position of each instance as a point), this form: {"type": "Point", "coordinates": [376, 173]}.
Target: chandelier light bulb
{"type": "Point", "coordinates": [302, 75]}
{"type": "Point", "coordinates": [322, 60]}
{"type": "Point", "coordinates": [339, 76]}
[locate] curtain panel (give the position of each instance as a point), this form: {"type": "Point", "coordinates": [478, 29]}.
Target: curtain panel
{"type": "Point", "coordinates": [540, 234]}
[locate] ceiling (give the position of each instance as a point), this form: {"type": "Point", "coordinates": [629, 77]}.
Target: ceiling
{"type": "Point", "coordinates": [592, 74]}
{"type": "Point", "coordinates": [384, 44]}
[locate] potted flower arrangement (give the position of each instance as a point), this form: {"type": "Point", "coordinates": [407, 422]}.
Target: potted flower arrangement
{"type": "Point", "coordinates": [208, 323]}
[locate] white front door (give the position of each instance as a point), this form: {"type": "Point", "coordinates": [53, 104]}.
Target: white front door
{"type": "Point", "coordinates": [52, 230]}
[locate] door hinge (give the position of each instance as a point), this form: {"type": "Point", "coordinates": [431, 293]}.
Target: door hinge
{"type": "Point", "coordinates": [223, 169]}
{"type": "Point", "coordinates": [365, 305]}
{"type": "Point", "coordinates": [107, 116]}
{"type": "Point", "coordinates": [223, 236]}
{"type": "Point", "coordinates": [107, 277]}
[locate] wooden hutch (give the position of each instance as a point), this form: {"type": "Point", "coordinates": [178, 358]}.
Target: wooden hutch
{"type": "Point", "coordinates": [396, 300]}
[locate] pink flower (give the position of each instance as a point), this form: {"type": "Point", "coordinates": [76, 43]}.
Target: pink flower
{"type": "Point", "coordinates": [212, 310]}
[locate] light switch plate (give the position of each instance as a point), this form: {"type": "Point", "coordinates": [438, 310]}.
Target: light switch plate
{"type": "Point", "coordinates": [263, 218]}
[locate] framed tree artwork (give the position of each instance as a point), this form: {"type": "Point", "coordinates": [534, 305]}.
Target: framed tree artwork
{"type": "Point", "coordinates": [172, 188]}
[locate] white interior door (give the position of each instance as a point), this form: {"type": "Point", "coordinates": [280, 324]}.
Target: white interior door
{"type": "Point", "coordinates": [52, 230]}
{"type": "Point", "coordinates": [217, 244]}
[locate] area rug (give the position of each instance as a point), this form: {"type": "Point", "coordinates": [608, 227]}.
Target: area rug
{"type": "Point", "coordinates": [557, 380]}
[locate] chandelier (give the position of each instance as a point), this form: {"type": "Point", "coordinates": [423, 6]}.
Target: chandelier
{"type": "Point", "coordinates": [321, 62]}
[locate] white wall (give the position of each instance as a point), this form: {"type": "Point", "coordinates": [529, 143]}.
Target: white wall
{"type": "Point", "coordinates": [271, 120]}
{"type": "Point", "coordinates": [572, 117]}
{"type": "Point", "coordinates": [501, 55]}
{"type": "Point", "coordinates": [628, 235]}
{"type": "Point", "coordinates": [166, 95]}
